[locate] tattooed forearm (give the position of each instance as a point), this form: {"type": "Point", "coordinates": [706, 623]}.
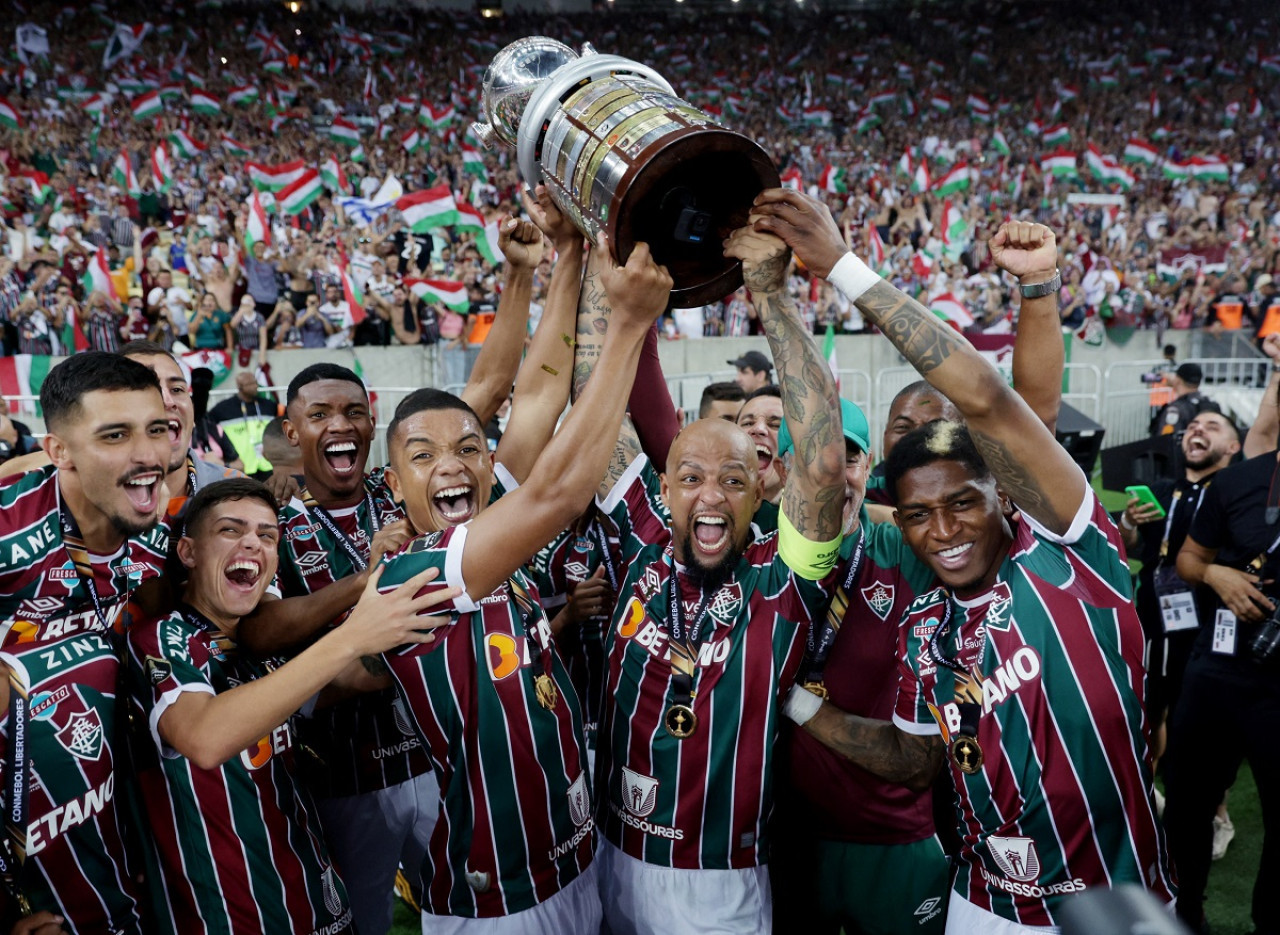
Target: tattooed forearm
{"type": "Point", "coordinates": [592, 325]}
{"type": "Point", "coordinates": [1018, 480]}
{"type": "Point", "coordinates": [766, 275]}
{"type": "Point", "coordinates": [878, 746]}
{"type": "Point", "coordinates": [924, 339]}
{"type": "Point", "coordinates": [624, 452]}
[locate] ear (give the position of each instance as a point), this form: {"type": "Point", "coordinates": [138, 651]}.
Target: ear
{"type": "Point", "coordinates": [290, 432]}
{"type": "Point", "coordinates": [57, 451]}
{"type": "Point", "coordinates": [665, 491]}
{"type": "Point", "coordinates": [186, 551]}
{"type": "Point", "coordinates": [392, 480]}
{"type": "Point", "coordinates": [1006, 505]}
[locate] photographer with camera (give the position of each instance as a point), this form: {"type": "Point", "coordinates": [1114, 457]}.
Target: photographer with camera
{"type": "Point", "coordinates": [1231, 687]}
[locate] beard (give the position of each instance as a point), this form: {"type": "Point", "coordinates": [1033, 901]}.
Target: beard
{"type": "Point", "coordinates": [709, 578]}
{"type": "Point", "coordinates": [131, 527]}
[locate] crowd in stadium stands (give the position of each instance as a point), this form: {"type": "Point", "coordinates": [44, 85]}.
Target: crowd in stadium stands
{"type": "Point", "coordinates": [131, 153]}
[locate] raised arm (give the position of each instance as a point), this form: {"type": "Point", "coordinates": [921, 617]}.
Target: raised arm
{"type": "Point", "coordinates": [1039, 353]}
{"type": "Point", "coordinates": [565, 476]}
{"type": "Point", "coordinates": [813, 496]}
{"type": "Point", "coordinates": [542, 389]}
{"type": "Point", "coordinates": [1035, 471]}
{"type": "Point", "coordinates": [495, 367]}
{"type": "Point", "coordinates": [1266, 425]}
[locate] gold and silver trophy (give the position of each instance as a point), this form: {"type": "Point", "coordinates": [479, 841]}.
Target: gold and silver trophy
{"type": "Point", "coordinates": [620, 152]}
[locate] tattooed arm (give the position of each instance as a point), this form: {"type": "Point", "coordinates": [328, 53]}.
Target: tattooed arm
{"type": "Point", "coordinates": [1035, 471]}
{"type": "Point", "coordinates": [813, 497]}
{"type": "Point", "coordinates": [879, 747]}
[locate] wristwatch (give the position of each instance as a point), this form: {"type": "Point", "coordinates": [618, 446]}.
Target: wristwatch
{"type": "Point", "coordinates": [1040, 289]}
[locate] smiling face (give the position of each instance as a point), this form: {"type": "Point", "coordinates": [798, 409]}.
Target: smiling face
{"type": "Point", "coordinates": [231, 556]}
{"type": "Point", "coordinates": [440, 468]}
{"type": "Point", "coordinates": [1209, 442]}
{"type": "Point", "coordinates": [330, 423]}
{"type": "Point", "coordinates": [113, 454]}
{"type": "Point", "coordinates": [712, 487]}
{"type": "Point", "coordinates": [954, 521]}
{"type": "Point", "coordinates": [857, 465]}
{"type": "Point", "coordinates": [760, 418]}
{"type": "Point", "coordinates": [179, 410]}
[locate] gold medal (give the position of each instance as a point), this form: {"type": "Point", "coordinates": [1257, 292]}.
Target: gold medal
{"type": "Point", "coordinates": [816, 688]}
{"type": "Point", "coordinates": [967, 754]}
{"type": "Point", "coordinates": [545, 689]}
{"type": "Point", "coordinates": [680, 721]}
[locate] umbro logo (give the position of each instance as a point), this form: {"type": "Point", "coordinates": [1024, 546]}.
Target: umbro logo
{"type": "Point", "coordinates": [311, 562]}
{"type": "Point", "coordinates": [928, 905]}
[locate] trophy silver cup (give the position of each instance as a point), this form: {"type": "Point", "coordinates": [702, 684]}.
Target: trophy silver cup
{"type": "Point", "coordinates": [620, 152]}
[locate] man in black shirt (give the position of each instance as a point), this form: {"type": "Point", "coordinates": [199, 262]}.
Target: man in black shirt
{"type": "Point", "coordinates": [1231, 699]}
{"type": "Point", "coordinates": [1188, 401]}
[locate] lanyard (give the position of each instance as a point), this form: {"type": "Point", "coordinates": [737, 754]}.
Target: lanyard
{"type": "Point", "coordinates": [1173, 508]}
{"type": "Point", "coordinates": [685, 643]}
{"type": "Point", "coordinates": [969, 685]}
{"type": "Point", "coordinates": [818, 647]}
{"type": "Point", "coordinates": [597, 528]}
{"type": "Point", "coordinates": [543, 684]}
{"type": "Point", "coordinates": [322, 516]}
{"type": "Point", "coordinates": [13, 849]}
{"type": "Point", "coordinates": [79, 555]}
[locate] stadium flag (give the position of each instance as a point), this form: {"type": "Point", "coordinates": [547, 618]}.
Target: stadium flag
{"type": "Point", "coordinates": [904, 163]}
{"type": "Point", "coordinates": [344, 131]}
{"type": "Point", "coordinates": [411, 140]}
{"type": "Point", "coordinates": [920, 182]}
{"type": "Point", "coordinates": [1096, 162]}
{"type": "Point", "coordinates": [887, 96]}
{"type": "Point", "coordinates": [1116, 174]}
{"type": "Point", "coordinates": [473, 162]}
{"type": "Point", "coordinates": [1209, 167]}
{"type": "Point", "coordinates": [31, 41]}
{"type": "Point", "coordinates": [370, 84]}
{"type": "Point", "coordinates": [274, 178]}
{"type": "Point", "coordinates": [792, 179]}
{"type": "Point", "coordinates": [186, 147]}
{"type": "Point", "coordinates": [256, 230]}
{"type": "Point", "coordinates": [429, 209]}
{"type": "Point", "coordinates": [1057, 135]}
{"type": "Point", "coordinates": [940, 102]}
{"type": "Point", "coordinates": [957, 179]}
{"type": "Point", "coordinates": [147, 105]}
{"type": "Point", "coordinates": [951, 310]}
{"type": "Point", "coordinates": [469, 219]}
{"type": "Point", "coordinates": [161, 168]}
{"type": "Point", "coordinates": [9, 115]}
{"type": "Point", "coordinates": [406, 104]}
{"type": "Point", "coordinates": [832, 180]}
{"type": "Point", "coordinates": [358, 154]}
{"type": "Point", "coordinates": [818, 116]}
{"type": "Point", "coordinates": [273, 67]}
{"type": "Point", "coordinates": [233, 147]}
{"type": "Point", "coordinates": [1155, 106]}
{"type": "Point", "coordinates": [999, 143]}
{"type": "Point", "coordinates": [867, 119]}
{"type": "Point", "coordinates": [299, 193]}
{"type": "Point", "coordinates": [436, 118]}
{"type": "Point", "coordinates": [875, 249]}
{"type": "Point", "coordinates": [95, 105]}
{"type": "Point", "coordinates": [487, 244]}
{"type": "Point", "coordinates": [334, 178]}
{"type": "Point", "coordinates": [202, 102]}
{"type": "Point", "coordinates": [41, 190]}
{"type": "Point", "coordinates": [1060, 162]}
{"type": "Point", "coordinates": [123, 43]}
{"type": "Point", "coordinates": [351, 290]}
{"type": "Point", "coordinates": [244, 95]}
{"type": "Point", "coordinates": [452, 295]}
{"type": "Point", "coordinates": [97, 278]}
{"type": "Point", "coordinates": [955, 231]}
{"type": "Point", "coordinates": [23, 375]}
{"type": "Point", "coordinates": [122, 174]}
{"type": "Point", "coordinates": [1016, 183]}
{"type": "Point", "coordinates": [829, 352]}
{"type": "Point", "coordinates": [1137, 150]}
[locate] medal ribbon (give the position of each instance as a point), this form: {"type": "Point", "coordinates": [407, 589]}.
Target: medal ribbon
{"type": "Point", "coordinates": [685, 644]}
{"type": "Point", "coordinates": [969, 683]}
{"type": "Point", "coordinates": [13, 850]}
{"type": "Point", "coordinates": [73, 542]}
{"type": "Point", "coordinates": [527, 608]}
{"type": "Point", "coordinates": [359, 561]}
{"type": "Point", "coordinates": [597, 529]}
{"type": "Point", "coordinates": [818, 647]}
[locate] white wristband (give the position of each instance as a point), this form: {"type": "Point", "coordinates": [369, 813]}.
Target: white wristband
{"type": "Point", "coordinates": [801, 704]}
{"type": "Point", "coordinates": [852, 277]}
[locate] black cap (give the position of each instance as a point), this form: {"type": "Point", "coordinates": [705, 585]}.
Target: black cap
{"type": "Point", "coordinates": [1190, 373]}
{"type": "Point", "coordinates": [753, 360]}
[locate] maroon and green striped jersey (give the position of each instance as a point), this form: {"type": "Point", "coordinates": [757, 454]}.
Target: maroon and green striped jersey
{"type": "Point", "coordinates": [516, 820]}
{"type": "Point", "coordinates": [41, 594]}
{"type": "Point", "coordinates": [703, 802]}
{"type": "Point", "coordinates": [364, 743]}
{"type": "Point", "coordinates": [77, 862]}
{"type": "Point", "coordinates": [1061, 802]}
{"type": "Point", "coordinates": [236, 849]}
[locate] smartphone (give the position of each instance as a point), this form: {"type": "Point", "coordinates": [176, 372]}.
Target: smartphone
{"type": "Point", "coordinates": [1146, 497]}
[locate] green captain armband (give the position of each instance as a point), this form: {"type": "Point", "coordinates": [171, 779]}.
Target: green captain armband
{"type": "Point", "coordinates": [810, 560]}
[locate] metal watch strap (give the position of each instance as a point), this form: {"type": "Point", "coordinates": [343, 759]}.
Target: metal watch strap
{"type": "Point", "coordinates": [1040, 289]}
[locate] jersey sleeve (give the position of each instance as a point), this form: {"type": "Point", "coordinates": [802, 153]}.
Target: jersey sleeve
{"type": "Point", "coordinates": [1087, 561]}
{"type": "Point", "coordinates": [163, 665]}
{"type": "Point", "coordinates": [796, 596]}
{"type": "Point", "coordinates": [635, 511]}
{"type": "Point", "coordinates": [441, 550]}
{"type": "Point", "coordinates": [912, 711]}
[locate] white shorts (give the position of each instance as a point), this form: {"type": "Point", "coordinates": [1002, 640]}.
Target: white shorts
{"type": "Point", "coordinates": [964, 918]}
{"type": "Point", "coordinates": [646, 899]}
{"type": "Point", "coordinates": [575, 910]}
{"type": "Point", "coordinates": [371, 835]}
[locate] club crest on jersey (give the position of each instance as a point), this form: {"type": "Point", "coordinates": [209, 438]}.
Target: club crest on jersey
{"type": "Point", "coordinates": [1015, 856]}
{"type": "Point", "coordinates": [478, 880]}
{"type": "Point", "coordinates": [44, 704]}
{"type": "Point", "coordinates": [879, 598]}
{"type": "Point", "coordinates": [157, 670]}
{"type": "Point", "coordinates": [580, 800]}
{"type": "Point", "coordinates": [332, 901]}
{"type": "Point", "coordinates": [726, 604]}
{"type": "Point", "coordinates": [639, 792]}
{"type": "Point", "coordinates": [39, 608]}
{"type": "Point", "coordinates": [999, 610]}
{"type": "Point", "coordinates": [82, 735]}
